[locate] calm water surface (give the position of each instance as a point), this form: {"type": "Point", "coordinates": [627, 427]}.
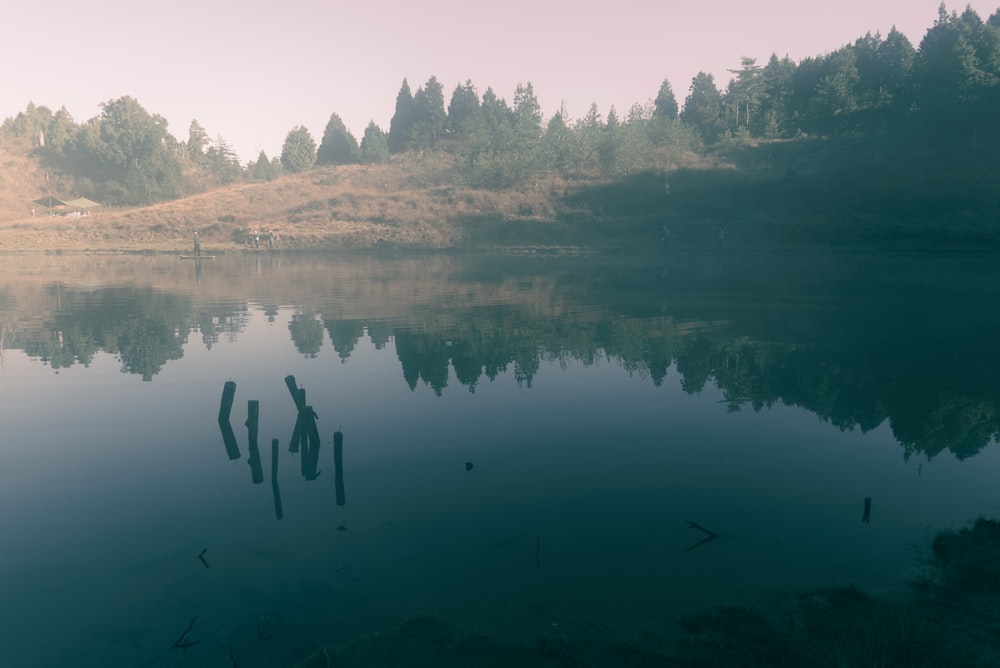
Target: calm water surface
{"type": "Point", "coordinates": [525, 442]}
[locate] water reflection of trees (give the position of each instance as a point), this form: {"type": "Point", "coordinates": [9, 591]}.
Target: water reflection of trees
{"type": "Point", "coordinates": [144, 328]}
{"type": "Point", "coordinates": [931, 378]}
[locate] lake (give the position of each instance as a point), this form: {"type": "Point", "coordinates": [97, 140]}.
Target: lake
{"type": "Point", "coordinates": [526, 442]}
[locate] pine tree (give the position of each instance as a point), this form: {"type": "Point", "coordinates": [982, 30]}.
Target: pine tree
{"type": "Point", "coordinates": [374, 145]}
{"type": "Point", "coordinates": [402, 120]}
{"type": "Point", "coordinates": [299, 150]}
{"type": "Point", "coordinates": [665, 105]}
{"type": "Point", "coordinates": [339, 147]}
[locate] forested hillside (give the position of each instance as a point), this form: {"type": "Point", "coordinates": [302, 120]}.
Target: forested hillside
{"type": "Point", "coordinates": [878, 127]}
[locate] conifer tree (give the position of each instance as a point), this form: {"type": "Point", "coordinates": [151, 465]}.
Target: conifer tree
{"type": "Point", "coordinates": [402, 120]}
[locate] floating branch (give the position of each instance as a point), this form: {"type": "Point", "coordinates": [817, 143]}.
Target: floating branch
{"type": "Point", "coordinates": [867, 516]}
{"type": "Point", "coordinates": [709, 536]}
{"type": "Point", "coordinates": [201, 555]}
{"type": "Point", "coordinates": [695, 525]}
{"type": "Point", "coordinates": [183, 643]}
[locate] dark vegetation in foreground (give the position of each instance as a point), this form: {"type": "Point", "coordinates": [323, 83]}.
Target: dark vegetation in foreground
{"type": "Point", "coordinates": [949, 617]}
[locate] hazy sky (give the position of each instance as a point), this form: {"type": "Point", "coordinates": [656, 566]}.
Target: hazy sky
{"type": "Point", "coordinates": [250, 71]}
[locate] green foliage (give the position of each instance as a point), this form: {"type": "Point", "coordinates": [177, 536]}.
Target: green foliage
{"type": "Point", "coordinates": [742, 98]}
{"type": "Point", "coordinates": [339, 147]}
{"type": "Point", "coordinates": [60, 137]}
{"type": "Point", "coordinates": [665, 104]}
{"type": "Point", "coordinates": [222, 162]}
{"type": "Point", "coordinates": [263, 169]}
{"type": "Point", "coordinates": [197, 141]}
{"type": "Point", "coordinates": [558, 143]}
{"type": "Point", "coordinates": [374, 145]}
{"type": "Point", "coordinates": [298, 153]}
{"type": "Point", "coordinates": [429, 118]}
{"type": "Point", "coordinates": [28, 127]}
{"type": "Point", "coordinates": [527, 116]}
{"type": "Point", "coordinates": [463, 110]}
{"type": "Point", "coordinates": [958, 59]}
{"type": "Point", "coordinates": [703, 107]}
{"type": "Point", "coordinates": [131, 149]}
{"type": "Point", "coordinates": [402, 120]}
{"type": "Point", "coordinates": [609, 146]}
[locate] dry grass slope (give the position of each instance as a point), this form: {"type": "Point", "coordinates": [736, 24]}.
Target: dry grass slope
{"type": "Point", "coordinates": [411, 203]}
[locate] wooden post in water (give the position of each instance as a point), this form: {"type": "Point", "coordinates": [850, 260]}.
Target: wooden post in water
{"type": "Point", "coordinates": [310, 442]}
{"type": "Point", "coordinates": [253, 415]}
{"type": "Point", "coordinates": [225, 408]}
{"type": "Point", "coordinates": [299, 397]}
{"type": "Point", "coordinates": [338, 467]}
{"type": "Point", "coordinates": [278, 511]}
{"type": "Point", "coordinates": [294, 390]}
{"type": "Point", "coordinates": [228, 394]}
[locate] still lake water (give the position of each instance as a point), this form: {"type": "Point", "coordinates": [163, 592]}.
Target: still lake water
{"type": "Point", "coordinates": [603, 403]}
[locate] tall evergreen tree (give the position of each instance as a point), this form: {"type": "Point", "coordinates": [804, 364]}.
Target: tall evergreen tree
{"type": "Point", "coordinates": [527, 115]}
{"type": "Point", "coordinates": [429, 118]}
{"type": "Point", "coordinates": [298, 153]}
{"type": "Point", "coordinates": [665, 104]}
{"type": "Point", "coordinates": [775, 97]}
{"type": "Point", "coordinates": [608, 149]}
{"type": "Point", "coordinates": [894, 60]}
{"type": "Point", "coordinates": [703, 107]}
{"type": "Point", "coordinates": [197, 141]}
{"type": "Point", "coordinates": [742, 94]}
{"type": "Point", "coordinates": [588, 131]}
{"type": "Point", "coordinates": [223, 162]}
{"type": "Point", "coordinates": [338, 147]}
{"type": "Point", "coordinates": [463, 110]}
{"type": "Point", "coordinates": [374, 145]}
{"type": "Point", "coordinates": [402, 120]}
{"type": "Point", "coordinates": [263, 169]}
{"type": "Point", "coordinates": [557, 142]}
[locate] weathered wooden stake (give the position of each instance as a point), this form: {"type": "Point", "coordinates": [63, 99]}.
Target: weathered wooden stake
{"type": "Point", "coordinates": [338, 467]}
{"type": "Point", "coordinates": [278, 512]}
{"type": "Point", "coordinates": [225, 408]}
{"type": "Point", "coordinates": [228, 394]}
{"type": "Point", "coordinates": [294, 390]}
{"type": "Point", "coordinates": [253, 415]}
{"type": "Point", "coordinates": [310, 442]}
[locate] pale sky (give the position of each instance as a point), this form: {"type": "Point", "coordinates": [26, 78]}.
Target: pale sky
{"type": "Point", "coordinates": [250, 70]}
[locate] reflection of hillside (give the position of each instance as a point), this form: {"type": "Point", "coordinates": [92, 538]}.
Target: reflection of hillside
{"type": "Point", "coordinates": [144, 328]}
{"type": "Point", "coordinates": [857, 342]}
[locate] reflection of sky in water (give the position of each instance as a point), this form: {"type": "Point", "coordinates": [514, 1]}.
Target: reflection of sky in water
{"type": "Point", "coordinates": [111, 486]}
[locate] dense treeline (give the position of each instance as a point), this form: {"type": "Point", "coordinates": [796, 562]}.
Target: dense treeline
{"type": "Point", "coordinates": [950, 82]}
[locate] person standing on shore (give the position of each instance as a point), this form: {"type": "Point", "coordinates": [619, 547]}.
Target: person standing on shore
{"type": "Point", "coordinates": [197, 245]}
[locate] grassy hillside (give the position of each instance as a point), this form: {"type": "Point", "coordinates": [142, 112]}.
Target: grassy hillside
{"type": "Point", "coordinates": [902, 190]}
{"type": "Point", "coordinates": [411, 203]}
